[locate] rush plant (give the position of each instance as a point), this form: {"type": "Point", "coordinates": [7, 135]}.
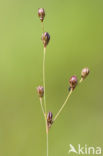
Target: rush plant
{"type": "Point", "coordinates": [73, 82]}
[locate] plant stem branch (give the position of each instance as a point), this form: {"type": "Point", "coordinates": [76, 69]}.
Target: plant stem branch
{"type": "Point", "coordinates": [46, 125]}
{"type": "Point", "coordinates": [42, 107]}
{"type": "Point", "coordinates": [65, 102]}
{"type": "Point", "coordinates": [42, 26]}
{"type": "Point", "coordinates": [44, 78]}
{"type": "Point", "coordinates": [81, 80]}
{"type": "Point", "coordinates": [47, 143]}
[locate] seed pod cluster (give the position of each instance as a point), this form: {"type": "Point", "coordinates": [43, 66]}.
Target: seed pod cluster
{"type": "Point", "coordinates": [41, 14]}
{"type": "Point", "coordinates": [45, 38]}
{"type": "Point", "coordinates": [40, 91]}
{"type": "Point", "coordinates": [73, 81]}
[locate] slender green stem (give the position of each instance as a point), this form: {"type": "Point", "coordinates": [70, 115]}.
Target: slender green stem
{"type": "Point", "coordinates": [42, 107]}
{"type": "Point", "coordinates": [46, 125]}
{"type": "Point", "coordinates": [44, 78]}
{"type": "Point", "coordinates": [65, 102]}
{"type": "Point", "coordinates": [47, 144]}
{"type": "Point", "coordinates": [81, 80]}
{"type": "Point", "coordinates": [45, 100]}
{"type": "Point", "coordinates": [42, 26]}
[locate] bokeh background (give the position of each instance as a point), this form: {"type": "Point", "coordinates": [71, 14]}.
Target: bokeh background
{"type": "Point", "coordinates": [76, 29]}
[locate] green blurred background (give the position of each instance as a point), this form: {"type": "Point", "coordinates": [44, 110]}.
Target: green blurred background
{"type": "Point", "coordinates": [76, 29]}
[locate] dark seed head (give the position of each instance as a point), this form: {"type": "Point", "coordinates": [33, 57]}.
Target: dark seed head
{"type": "Point", "coordinates": [73, 82]}
{"type": "Point", "coordinates": [41, 14]}
{"type": "Point", "coordinates": [49, 117]}
{"type": "Point", "coordinates": [45, 38]}
{"type": "Point", "coordinates": [84, 73]}
{"type": "Point", "coordinates": [40, 91]}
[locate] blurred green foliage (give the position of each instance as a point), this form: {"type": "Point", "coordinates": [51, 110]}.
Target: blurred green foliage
{"type": "Point", "coordinates": [76, 29]}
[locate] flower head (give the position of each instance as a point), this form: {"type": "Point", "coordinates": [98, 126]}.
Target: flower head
{"type": "Point", "coordinates": [45, 38]}
{"type": "Point", "coordinates": [41, 14]}
{"type": "Point", "coordinates": [84, 72]}
{"type": "Point", "coordinates": [49, 119]}
{"type": "Point", "coordinates": [73, 82]}
{"type": "Point", "coordinates": [40, 91]}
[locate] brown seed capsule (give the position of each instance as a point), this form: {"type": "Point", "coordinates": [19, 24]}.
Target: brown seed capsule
{"type": "Point", "coordinates": [45, 38]}
{"type": "Point", "coordinates": [40, 91]}
{"type": "Point", "coordinates": [49, 116]}
{"type": "Point", "coordinates": [49, 119]}
{"type": "Point", "coordinates": [73, 82]}
{"type": "Point", "coordinates": [84, 73]}
{"type": "Point", "coordinates": [41, 14]}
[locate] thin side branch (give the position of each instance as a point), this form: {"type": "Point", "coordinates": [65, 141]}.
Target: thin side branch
{"type": "Point", "coordinates": [42, 107]}
{"type": "Point", "coordinates": [81, 80]}
{"type": "Point", "coordinates": [65, 102]}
